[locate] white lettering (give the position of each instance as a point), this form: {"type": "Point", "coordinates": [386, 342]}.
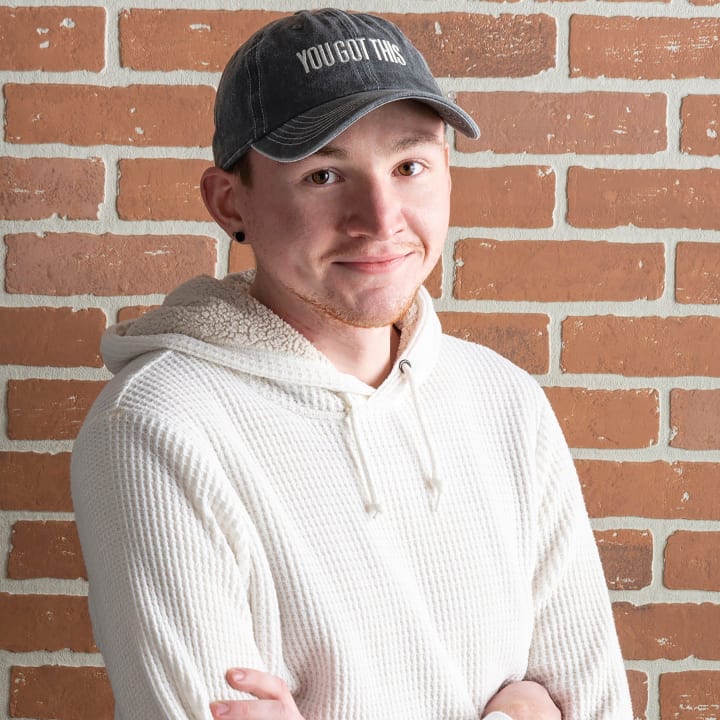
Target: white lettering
{"type": "Point", "coordinates": [374, 42]}
{"type": "Point", "coordinates": [398, 55]}
{"type": "Point", "coordinates": [314, 58]}
{"type": "Point", "coordinates": [342, 53]}
{"type": "Point", "coordinates": [354, 49]}
{"type": "Point", "coordinates": [326, 54]}
{"type": "Point", "coordinates": [364, 49]}
{"type": "Point", "coordinates": [301, 56]}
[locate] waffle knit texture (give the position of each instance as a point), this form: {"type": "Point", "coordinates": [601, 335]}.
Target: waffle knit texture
{"type": "Point", "coordinates": [396, 553]}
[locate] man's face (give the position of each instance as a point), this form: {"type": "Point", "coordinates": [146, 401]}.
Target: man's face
{"type": "Point", "coordinates": [351, 232]}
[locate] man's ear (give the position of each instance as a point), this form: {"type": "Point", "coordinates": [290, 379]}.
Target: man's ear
{"type": "Point", "coordinates": [219, 193]}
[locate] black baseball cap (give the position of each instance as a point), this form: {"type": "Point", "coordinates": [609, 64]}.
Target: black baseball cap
{"type": "Point", "coordinates": [300, 81]}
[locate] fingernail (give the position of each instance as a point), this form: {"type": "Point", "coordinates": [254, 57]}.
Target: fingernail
{"type": "Point", "coordinates": [237, 676]}
{"type": "Point", "coordinates": [219, 709]}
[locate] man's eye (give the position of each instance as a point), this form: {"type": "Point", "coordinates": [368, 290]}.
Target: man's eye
{"type": "Point", "coordinates": [409, 168]}
{"type": "Point", "coordinates": [323, 177]}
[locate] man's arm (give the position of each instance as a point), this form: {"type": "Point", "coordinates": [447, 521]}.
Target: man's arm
{"type": "Point", "coordinates": [169, 557]}
{"type": "Point", "coordinates": [574, 651]}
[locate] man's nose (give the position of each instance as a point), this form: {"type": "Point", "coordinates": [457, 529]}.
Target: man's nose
{"type": "Point", "coordinates": [376, 210]}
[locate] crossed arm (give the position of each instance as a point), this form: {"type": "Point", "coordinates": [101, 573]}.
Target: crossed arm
{"type": "Point", "coordinates": [523, 700]}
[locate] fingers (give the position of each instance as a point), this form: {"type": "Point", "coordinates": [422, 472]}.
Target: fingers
{"type": "Point", "coordinates": [249, 710]}
{"type": "Point", "coordinates": [260, 684]}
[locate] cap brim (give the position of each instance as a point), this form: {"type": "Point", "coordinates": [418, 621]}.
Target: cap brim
{"type": "Point", "coordinates": [312, 130]}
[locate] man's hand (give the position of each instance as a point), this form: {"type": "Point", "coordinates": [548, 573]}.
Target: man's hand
{"type": "Point", "coordinates": [524, 700]}
{"type": "Point", "coordinates": [274, 701]}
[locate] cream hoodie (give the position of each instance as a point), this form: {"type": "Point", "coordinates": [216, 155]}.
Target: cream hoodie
{"type": "Point", "coordinates": [393, 554]}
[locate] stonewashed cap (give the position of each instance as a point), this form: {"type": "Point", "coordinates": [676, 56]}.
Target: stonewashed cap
{"type": "Point", "coordinates": [300, 81]}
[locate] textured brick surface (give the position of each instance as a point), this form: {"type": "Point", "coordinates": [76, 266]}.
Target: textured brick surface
{"type": "Point", "coordinates": [606, 418]}
{"type": "Point", "coordinates": [45, 622]}
{"type": "Point", "coordinates": [45, 549]}
{"type": "Point", "coordinates": [638, 682]}
{"type": "Point", "coordinates": [648, 346]}
{"type": "Point", "coordinates": [669, 631]}
{"type": "Point", "coordinates": [139, 115]}
{"type": "Point", "coordinates": [54, 692]}
{"type": "Point", "coordinates": [563, 270]}
{"type": "Point", "coordinates": [591, 122]}
{"type": "Point", "coordinates": [651, 489]}
{"type": "Point", "coordinates": [52, 38]}
{"type": "Point", "coordinates": [35, 481]}
{"type": "Point", "coordinates": [692, 561]}
{"type": "Point", "coordinates": [78, 263]}
{"type": "Point", "coordinates": [647, 48]}
{"type": "Point", "coordinates": [695, 419]}
{"type": "Point", "coordinates": [697, 272]}
{"type": "Point", "coordinates": [518, 196]}
{"type": "Point", "coordinates": [700, 127]}
{"type": "Point", "coordinates": [690, 695]}
{"type": "Point", "coordinates": [51, 336]}
{"type": "Point", "coordinates": [48, 409]}
{"type": "Point", "coordinates": [604, 198]}
{"type": "Point", "coordinates": [626, 557]}
{"type": "Point", "coordinates": [161, 189]}
{"type": "Point", "coordinates": [36, 188]}
{"type": "Point", "coordinates": [520, 338]}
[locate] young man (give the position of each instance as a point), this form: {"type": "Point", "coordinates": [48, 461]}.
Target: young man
{"type": "Point", "coordinates": [295, 473]}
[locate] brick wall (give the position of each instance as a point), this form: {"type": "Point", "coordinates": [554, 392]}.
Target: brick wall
{"type": "Point", "coordinates": [583, 246]}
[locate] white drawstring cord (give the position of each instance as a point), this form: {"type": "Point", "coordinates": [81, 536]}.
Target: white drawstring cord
{"type": "Point", "coordinates": [432, 483]}
{"type": "Point", "coordinates": [372, 506]}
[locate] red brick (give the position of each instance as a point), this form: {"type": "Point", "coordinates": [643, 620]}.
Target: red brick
{"type": "Point", "coordinates": [185, 39]}
{"type": "Point", "coordinates": [38, 188]}
{"type": "Point", "coordinates": [610, 419]}
{"type": "Point", "coordinates": [680, 490]}
{"type": "Point", "coordinates": [48, 409]}
{"type": "Point", "coordinates": [241, 258]}
{"type": "Point", "coordinates": [590, 122]}
{"type": "Point", "coordinates": [641, 346]}
{"type": "Point", "coordinates": [54, 692]}
{"type": "Point", "coordinates": [697, 273]}
{"type": "Point", "coordinates": [61, 337]}
{"type": "Point", "coordinates": [161, 189]}
{"type": "Point", "coordinates": [433, 282]}
{"type": "Point", "coordinates": [626, 558]}
{"type": "Point", "coordinates": [644, 48]}
{"type": "Point", "coordinates": [695, 419]}
{"type": "Point", "coordinates": [523, 339]}
{"type": "Point", "coordinates": [517, 196]}
{"type": "Point", "coordinates": [476, 45]}
{"type": "Point", "coordinates": [35, 481]}
{"type": "Point", "coordinates": [668, 631]}
{"type": "Point", "coordinates": [52, 39]}
{"type": "Point", "coordinates": [139, 115]}
{"type": "Point", "coordinates": [638, 682]}
{"type": "Point", "coordinates": [563, 270]}
{"type": "Point", "coordinates": [78, 263]}
{"type": "Point", "coordinates": [605, 198]}
{"type": "Point", "coordinates": [45, 549]}
{"type": "Point", "coordinates": [690, 695]}
{"type": "Point", "coordinates": [692, 561]}
{"type": "Point", "coordinates": [45, 622]}
{"type": "Point", "coordinates": [455, 44]}
{"type": "Point", "coordinates": [699, 134]}
{"type": "Point", "coordinates": [133, 312]}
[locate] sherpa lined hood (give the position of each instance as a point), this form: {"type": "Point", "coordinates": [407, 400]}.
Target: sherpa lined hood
{"type": "Point", "coordinates": [218, 321]}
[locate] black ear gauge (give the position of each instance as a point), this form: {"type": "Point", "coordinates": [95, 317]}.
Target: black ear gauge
{"type": "Point", "coordinates": [239, 236]}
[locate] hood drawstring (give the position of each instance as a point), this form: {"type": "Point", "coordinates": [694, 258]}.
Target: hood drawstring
{"type": "Point", "coordinates": [372, 506]}
{"type": "Point", "coordinates": [433, 482]}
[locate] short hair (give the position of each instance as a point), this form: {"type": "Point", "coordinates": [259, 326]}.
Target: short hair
{"type": "Point", "coordinates": [242, 169]}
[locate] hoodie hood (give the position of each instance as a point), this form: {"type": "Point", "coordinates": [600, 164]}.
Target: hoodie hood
{"type": "Point", "coordinates": [220, 322]}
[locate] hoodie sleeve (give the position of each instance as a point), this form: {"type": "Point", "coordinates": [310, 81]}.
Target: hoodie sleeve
{"type": "Point", "coordinates": [575, 652]}
{"type": "Point", "coordinates": [171, 562]}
